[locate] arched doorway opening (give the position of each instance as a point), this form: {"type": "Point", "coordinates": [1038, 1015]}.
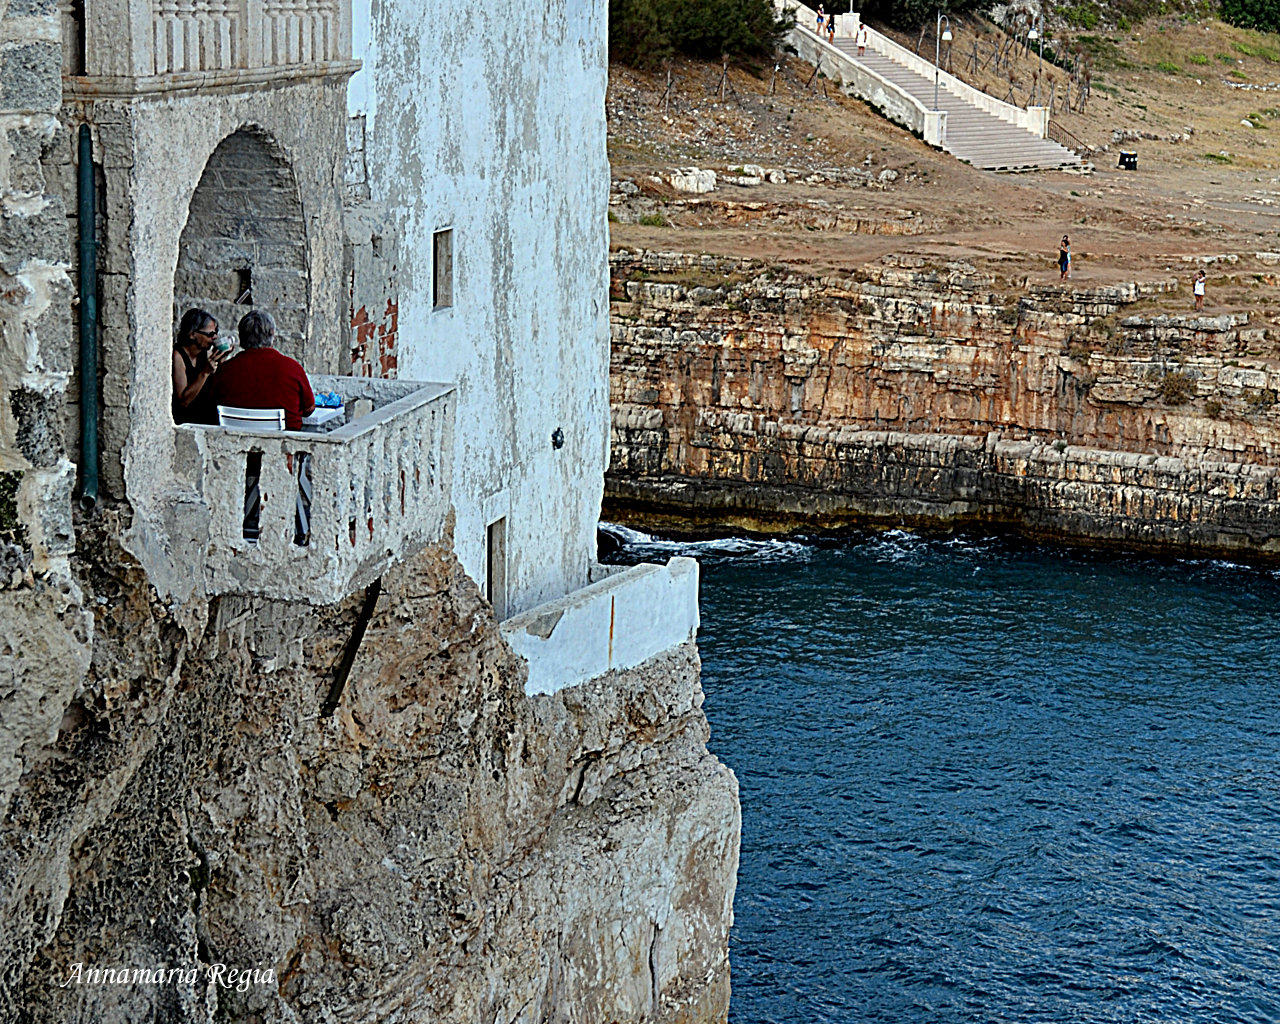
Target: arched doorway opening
{"type": "Point", "coordinates": [244, 245]}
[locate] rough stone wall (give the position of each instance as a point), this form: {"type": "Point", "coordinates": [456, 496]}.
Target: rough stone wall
{"type": "Point", "coordinates": [442, 848]}
{"type": "Point", "coordinates": [937, 395]}
{"type": "Point", "coordinates": [36, 342]}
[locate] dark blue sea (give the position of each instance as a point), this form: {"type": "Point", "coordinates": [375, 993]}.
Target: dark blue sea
{"type": "Point", "coordinates": [986, 781]}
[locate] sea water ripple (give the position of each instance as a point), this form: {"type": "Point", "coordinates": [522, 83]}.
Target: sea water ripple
{"type": "Point", "coordinates": [984, 781]}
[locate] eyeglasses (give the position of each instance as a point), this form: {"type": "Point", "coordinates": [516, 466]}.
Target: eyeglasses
{"type": "Point", "coordinates": [211, 335]}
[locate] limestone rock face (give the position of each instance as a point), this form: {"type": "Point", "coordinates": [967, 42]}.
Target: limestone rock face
{"type": "Point", "coordinates": [933, 394]}
{"type": "Point", "coordinates": [691, 179]}
{"type": "Point", "coordinates": [441, 848]}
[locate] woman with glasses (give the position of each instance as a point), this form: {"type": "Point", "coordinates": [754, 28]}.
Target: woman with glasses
{"type": "Point", "coordinates": [196, 355]}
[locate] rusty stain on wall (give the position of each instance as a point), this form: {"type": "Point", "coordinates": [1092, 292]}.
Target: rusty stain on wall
{"type": "Point", "coordinates": [373, 342]}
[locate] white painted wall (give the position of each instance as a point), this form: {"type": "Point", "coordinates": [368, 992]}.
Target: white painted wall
{"type": "Point", "coordinates": [362, 98]}
{"type": "Point", "coordinates": [616, 623]}
{"type": "Point", "coordinates": [491, 121]}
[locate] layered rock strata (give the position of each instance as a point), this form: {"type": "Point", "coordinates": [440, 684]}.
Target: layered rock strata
{"type": "Point", "coordinates": [936, 395]}
{"type": "Point", "coordinates": [441, 848]}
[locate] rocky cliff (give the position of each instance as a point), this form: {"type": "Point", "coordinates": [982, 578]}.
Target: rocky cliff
{"type": "Point", "coordinates": [440, 848]}
{"type": "Point", "coordinates": [938, 395]}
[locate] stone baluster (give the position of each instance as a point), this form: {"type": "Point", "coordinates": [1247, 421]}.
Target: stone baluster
{"type": "Point", "coordinates": [275, 47]}
{"type": "Point", "coordinates": [203, 54]}
{"type": "Point", "coordinates": [220, 36]}
{"type": "Point", "coordinates": [188, 33]}
{"type": "Point", "coordinates": [318, 12]}
{"type": "Point", "coordinates": [307, 33]}
{"type": "Point", "coordinates": [249, 24]}
{"type": "Point", "coordinates": [71, 15]}
{"type": "Point", "coordinates": [297, 27]}
{"type": "Point", "coordinates": [165, 23]}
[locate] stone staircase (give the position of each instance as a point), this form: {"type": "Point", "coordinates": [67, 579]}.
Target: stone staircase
{"type": "Point", "coordinates": [973, 135]}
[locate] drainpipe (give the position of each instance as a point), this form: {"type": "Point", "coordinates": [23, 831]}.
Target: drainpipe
{"type": "Point", "coordinates": [88, 326]}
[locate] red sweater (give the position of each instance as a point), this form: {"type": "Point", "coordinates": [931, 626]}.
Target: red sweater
{"type": "Point", "coordinates": [262, 378]}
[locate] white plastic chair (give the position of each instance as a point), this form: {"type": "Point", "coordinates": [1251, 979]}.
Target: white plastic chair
{"type": "Point", "coordinates": [250, 419]}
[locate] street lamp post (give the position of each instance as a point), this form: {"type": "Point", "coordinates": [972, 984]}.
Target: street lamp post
{"type": "Point", "coordinates": [1037, 34]}
{"type": "Point", "coordinates": [939, 37]}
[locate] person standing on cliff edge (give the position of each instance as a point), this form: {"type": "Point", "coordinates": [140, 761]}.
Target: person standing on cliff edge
{"type": "Point", "coordinates": [1198, 289]}
{"type": "Point", "coordinates": [1064, 259]}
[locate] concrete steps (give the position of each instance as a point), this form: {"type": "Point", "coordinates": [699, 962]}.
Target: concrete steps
{"type": "Point", "coordinates": [973, 135]}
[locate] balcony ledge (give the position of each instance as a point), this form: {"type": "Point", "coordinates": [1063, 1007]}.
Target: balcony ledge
{"type": "Point", "coordinates": [90, 87]}
{"type": "Point", "coordinates": [618, 622]}
{"type": "Point", "coordinates": [381, 490]}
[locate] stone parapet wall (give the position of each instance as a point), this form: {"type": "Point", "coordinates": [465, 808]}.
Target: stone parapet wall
{"type": "Point", "coordinates": [936, 394]}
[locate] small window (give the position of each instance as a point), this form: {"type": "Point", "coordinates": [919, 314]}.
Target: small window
{"type": "Point", "coordinates": [495, 575]}
{"type": "Point", "coordinates": [442, 291]}
{"type": "Point", "coordinates": [244, 287]}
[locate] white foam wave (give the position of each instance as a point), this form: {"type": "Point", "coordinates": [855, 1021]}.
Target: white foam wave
{"type": "Point", "coordinates": [741, 547]}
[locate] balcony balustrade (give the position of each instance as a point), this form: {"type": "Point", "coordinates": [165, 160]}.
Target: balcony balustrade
{"type": "Point", "coordinates": [149, 38]}
{"type": "Point", "coordinates": [380, 490]}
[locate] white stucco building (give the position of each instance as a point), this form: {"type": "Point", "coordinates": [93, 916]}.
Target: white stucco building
{"type": "Point", "coordinates": [484, 151]}
{"type": "Point", "coordinates": [419, 197]}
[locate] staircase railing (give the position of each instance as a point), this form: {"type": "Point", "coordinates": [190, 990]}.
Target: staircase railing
{"type": "Point", "coordinates": [1033, 119]}
{"type": "Point", "coordinates": [1056, 133]}
{"type": "Point", "coordinates": [857, 79]}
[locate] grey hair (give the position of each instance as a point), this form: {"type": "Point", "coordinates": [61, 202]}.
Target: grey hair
{"type": "Point", "coordinates": [257, 330]}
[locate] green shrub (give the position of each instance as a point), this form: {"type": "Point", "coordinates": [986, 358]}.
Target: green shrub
{"type": "Point", "coordinates": [1080, 15]}
{"type": "Point", "coordinates": [1218, 158]}
{"type": "Point", "coordinates": [1168, 67]}
{"type": "Point", "coordinates": [1225, 58]}
{"type": "Point", "coordinates": [644, 33]}
{"type": "Point", "coordinates": [654, 220]}
{"type": "Point", "coordinates": [913, 14]}
{"type": "Point", "coordinates": [1176, 388]}
{"type": "Point", "coordinates": [1200, 59]}
{"type": "Point", "coordinates": [1260, 49]}
{"type": "Point", "coordinates": [1260, 401]}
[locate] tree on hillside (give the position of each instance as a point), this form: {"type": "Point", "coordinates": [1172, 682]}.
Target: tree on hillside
{"type": "Point", "coordinates": [1263, 15]}
{"type": "Point", "coordinates": [644, 33]}
{"type": "Point", "coordinates": [911, 14]}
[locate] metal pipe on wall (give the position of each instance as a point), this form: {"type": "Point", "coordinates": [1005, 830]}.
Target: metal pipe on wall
{"type": "Point", "coordinates": [88, 285]}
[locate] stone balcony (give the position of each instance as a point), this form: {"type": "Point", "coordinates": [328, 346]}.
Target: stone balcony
{"type": "Point", "coordinates": [624, 617]}
{"type": "Point", "coordinates": [380, 488]}
{"type": "Point", "coordinates": [150, 45]}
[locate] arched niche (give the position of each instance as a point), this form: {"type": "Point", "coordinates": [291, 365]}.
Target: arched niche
{"type": "Point", "coordinates": [244, 245]}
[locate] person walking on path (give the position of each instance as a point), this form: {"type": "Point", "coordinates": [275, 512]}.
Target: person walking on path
{"type": "Point", "coordinates": [1064, 258]}
{"type": "Point", "coordinates": [831, 29]}
{"type": "Point", "coordinates": [862, 39]}
{"type": "Point", "coordinates": [822, 18]}
{"type": "Point", "coordinates": [1198, 289]}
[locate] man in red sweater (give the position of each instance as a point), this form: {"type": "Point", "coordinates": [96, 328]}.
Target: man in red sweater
{"type": "Point", "coordinates": [259, 377]}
